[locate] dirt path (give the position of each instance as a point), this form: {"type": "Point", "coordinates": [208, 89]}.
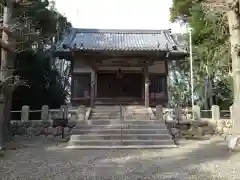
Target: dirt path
{"type": "Point", "coordinates": [48, 160]}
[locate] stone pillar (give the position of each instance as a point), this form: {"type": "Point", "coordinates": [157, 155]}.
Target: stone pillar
{"type": "Point", "coordinates": [215, 113]}
{"type": "Point", "coordinates": [81, 111]}
{"type": "Point", "coordinates": [159, 112]}
{"type": "Point", "coordinates": [25, 113]}
{"type": "Point", "coordinates": [45, 112]}
{"type": "Point", "coordinates": [196, 112]}
{"type": "Point", "coordinates": [146, 78]}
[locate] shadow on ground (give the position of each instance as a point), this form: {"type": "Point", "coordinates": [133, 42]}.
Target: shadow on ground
{"type": "Point", "coordinates": [200, 160]}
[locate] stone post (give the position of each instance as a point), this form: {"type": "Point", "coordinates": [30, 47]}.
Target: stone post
{"type": "Point", "coordinates": [45, 112]}
{"type": "Point", "coordinates": [231, 112]}
{"type": "Point", "coordinates": [177, 111]}
{"type": "Point", "coordinates": [159, 112]}
{"type": "Point", "coordinates": [215, 116]}
{"type": "Point", "coordinates": [81, 111]}
{"type": "Point", "coordinates": [65, 112]}
{"type": "Point", "coordinates": [215, 113]}
{"type": "Point", "coordinates": [61, 112]}
{"type": "Point", "coordinates": [25, 113]}
{"type": "Point", "coordinates": [196, 112]}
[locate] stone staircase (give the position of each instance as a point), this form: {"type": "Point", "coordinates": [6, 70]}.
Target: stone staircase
{"type": "Point", "coordinates": [105, 112]}
{"type": "Point", "coordinates": [137, 113]}
{"type": "Point", "coordinates": [107, 130]}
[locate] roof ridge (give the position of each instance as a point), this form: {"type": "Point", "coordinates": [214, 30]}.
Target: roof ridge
{"type": "Point", "coordinates": [122, 31]}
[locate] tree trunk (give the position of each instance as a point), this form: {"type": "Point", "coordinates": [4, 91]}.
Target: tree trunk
{"type": "Point", "coordinates": [234, 25]}
{"type": "Point", "coordinates": [7, 63]}
{"type": "Point", "coordinates": [234, 29]}
{"type": "Point", "coordinates": [210, 92]}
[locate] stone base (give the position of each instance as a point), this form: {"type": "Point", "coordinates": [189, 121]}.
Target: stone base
{"type": "Point", "coordinates": [233, 143]}
{"type": "Point", "coordinates": [124, 147]}
{"type": "Point", "coordinates": [199, 128]}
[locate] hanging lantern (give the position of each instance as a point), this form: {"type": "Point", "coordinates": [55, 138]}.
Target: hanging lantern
{"type": "Point", "coordinates": [119, 73]}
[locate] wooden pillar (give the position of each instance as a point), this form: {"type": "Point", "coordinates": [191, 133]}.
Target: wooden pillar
{"type": "Point", "coordinates": [146, 78]}
{"type": "Point", "coordinates": [92, 88]}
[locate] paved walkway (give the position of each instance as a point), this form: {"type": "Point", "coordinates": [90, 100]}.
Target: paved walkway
{"type": "Point", "coordinates": [48, 160]}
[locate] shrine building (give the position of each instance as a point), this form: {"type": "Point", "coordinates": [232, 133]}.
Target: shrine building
{"type": "Point", "coordinates": [119, 66]}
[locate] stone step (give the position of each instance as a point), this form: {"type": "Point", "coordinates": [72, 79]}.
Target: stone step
{"type": "Point", "coordinates": [126, 126]}
{"type": "Point", "coordinates": [138, 110]}
{"type": "Point", "coordinates": [81, 147]}
{"type": "Point", "coordinates": [138, 117]}
{"type": "Point", "coordinates": [137, 114]}
{"type": "Point", "coordinates": [107, 107]}
{"type": "Point", "coordinates": [135, 108]}
{"type": "Point", "coordinates": [118, 142]}
{"type": "Point", "coordinates": [105, 113]}
{"type": "Point", "coordinates": [121, 137]}
{"type": "Point", "coordinates": [104, 117]}
{"type": "Point", "coordinates": [120, 131]}
{"type": "Point", "coordinates": [117, 121]}
{"type": "Point", "coordinates": [106, 110]}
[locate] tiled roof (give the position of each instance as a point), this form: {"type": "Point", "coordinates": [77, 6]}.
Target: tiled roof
{"type": "Point", "coordinates": [119, 40]}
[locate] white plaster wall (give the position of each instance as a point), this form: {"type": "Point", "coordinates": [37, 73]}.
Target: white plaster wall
{"type": "Point", "coordinates": [158, 67]}
{"type": "Point", "coordinates": [81, 67]}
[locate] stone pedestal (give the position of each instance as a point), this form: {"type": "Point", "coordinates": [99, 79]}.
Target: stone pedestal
{"type": "Point", "coordinates": [234, 138]}
{"type": "Point", "coordinates": [236, 119]}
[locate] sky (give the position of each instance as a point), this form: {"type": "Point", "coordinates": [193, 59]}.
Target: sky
{"type": "Point", "coordinates": [118, 14]}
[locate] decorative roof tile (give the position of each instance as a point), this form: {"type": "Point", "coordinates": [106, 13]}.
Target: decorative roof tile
{"type": "Point", "coordinates": [119, 40]}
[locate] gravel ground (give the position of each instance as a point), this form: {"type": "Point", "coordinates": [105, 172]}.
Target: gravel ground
{"type": "Point", "coordinates": [49, 160]}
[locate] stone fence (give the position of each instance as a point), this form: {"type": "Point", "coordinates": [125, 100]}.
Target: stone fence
{"type": "Point", "coordinates": [79, 113]}
{"type": "Point", "coordinates": [196, 113]}
{"type": "Point", "coordinates": [48, 122]}
{"type": "Point", "coordinates": [184, 122]}
{"type": "Point", "coordinates": [196, 122]}
{"type": "Point", "coordinates": [46, 114]}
